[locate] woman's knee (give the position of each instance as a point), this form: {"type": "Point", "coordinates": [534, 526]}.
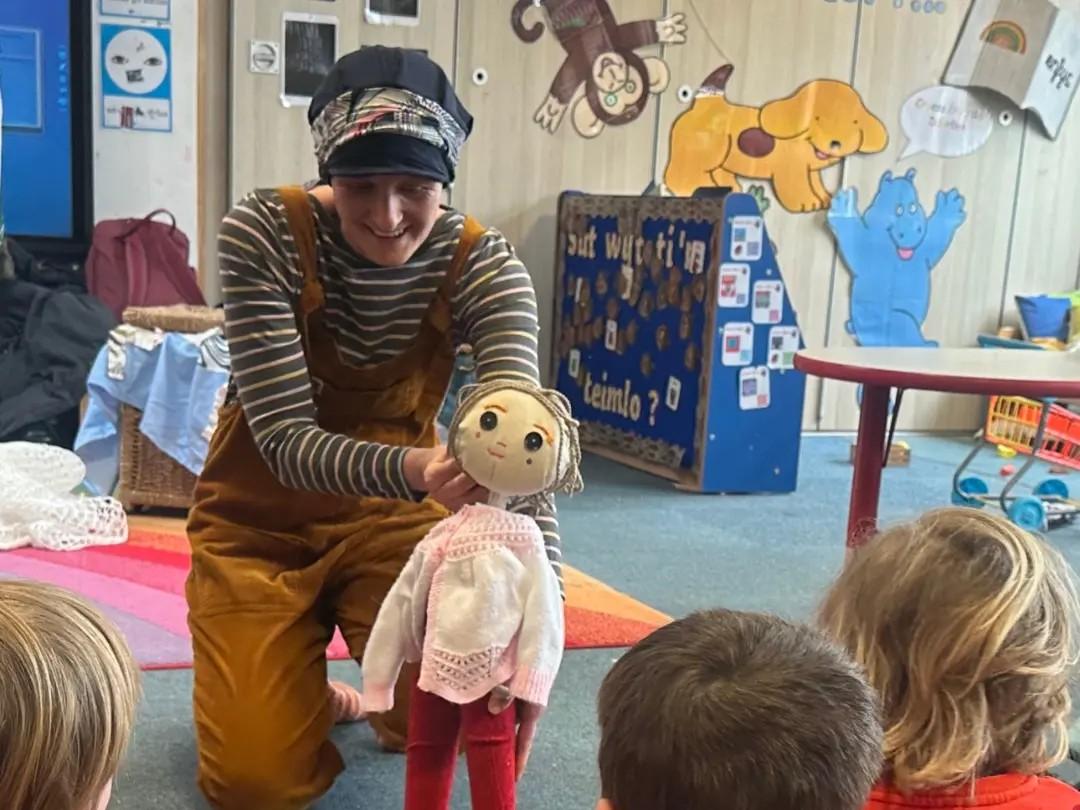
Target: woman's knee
{"type": "Point", "coordinates": [267, 774]}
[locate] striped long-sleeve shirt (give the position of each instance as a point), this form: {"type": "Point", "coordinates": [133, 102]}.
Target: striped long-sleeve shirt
{"type": "Point", "coordinates": [373, 313]}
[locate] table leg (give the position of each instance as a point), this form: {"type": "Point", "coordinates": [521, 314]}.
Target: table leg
{"type": "Point", "coordinates": [869, 460]}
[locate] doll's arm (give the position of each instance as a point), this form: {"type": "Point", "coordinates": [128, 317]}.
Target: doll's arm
{"type": "Point", "coordinates": [542, 635]}
{"type": "Point", "coordinates": [398, 634]}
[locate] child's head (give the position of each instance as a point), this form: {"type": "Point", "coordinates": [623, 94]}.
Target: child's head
{"type": "Point", "coordinates": [740, 711]}
{"type": "Point", "coordinates": [68, 692]}
{"type": "Point", "coordinates": [966, 626]}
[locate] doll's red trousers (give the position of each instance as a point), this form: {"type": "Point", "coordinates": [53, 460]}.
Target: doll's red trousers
{"type": "Point", "coordinates": [435, 726]}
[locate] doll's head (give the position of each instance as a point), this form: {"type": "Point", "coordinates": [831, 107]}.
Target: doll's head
{"type": "Point", "coordinates": [516, 439]}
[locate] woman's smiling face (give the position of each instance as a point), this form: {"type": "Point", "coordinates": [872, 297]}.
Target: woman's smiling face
{"type": "Point", "coordinates": [386, 218]}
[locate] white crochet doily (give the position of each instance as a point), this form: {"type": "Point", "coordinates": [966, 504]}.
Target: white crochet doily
{"type": "Point", "coordinates": [39, 508]}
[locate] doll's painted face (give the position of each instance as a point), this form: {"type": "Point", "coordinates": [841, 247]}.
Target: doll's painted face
{"type": "Point", "coordinates": [508, 442]}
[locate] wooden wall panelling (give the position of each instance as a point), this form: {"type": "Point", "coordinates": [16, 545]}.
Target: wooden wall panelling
{"type": "Point", "coordinates": [212, 145]}
{"type": "Point", "coordinates": [272, 142]}
{"type": "Point", "coordinates": [1045, 254]}
{"type": "Point", "coordinates": [512, 171]}
{"type": "Point", "coordinates": [435, 33]}
{"type": "Point", "coordinates": [775, 47]}
{"type": "Point", "coordinates": [899, 53]}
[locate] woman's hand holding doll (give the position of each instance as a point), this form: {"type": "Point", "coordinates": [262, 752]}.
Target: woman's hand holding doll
{"type": "Point", "coordinates": [528, 718]}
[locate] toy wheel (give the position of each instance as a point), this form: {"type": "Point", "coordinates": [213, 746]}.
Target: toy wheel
{"type": "Point", "coordinates": [971, 486]}
{"type": "Point", "coordinates": [1053, 487]}
{"type": "Point", "coordinates": [1028, 513]}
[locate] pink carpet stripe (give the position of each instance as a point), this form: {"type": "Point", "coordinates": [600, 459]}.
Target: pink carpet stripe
{"type": "Point", "coordinates": [168, 579]}
{"type": "Point", "coordinates": [163, 609]}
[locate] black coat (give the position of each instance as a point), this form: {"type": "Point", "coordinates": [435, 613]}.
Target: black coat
{"type": "Point", "coordinates": [49, 339]}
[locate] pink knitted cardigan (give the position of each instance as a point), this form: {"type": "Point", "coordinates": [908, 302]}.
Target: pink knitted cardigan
{"type": "Point", "coordinates": [478, 605]}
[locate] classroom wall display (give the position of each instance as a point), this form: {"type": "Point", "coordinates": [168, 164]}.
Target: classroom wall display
{"type": "Point", "coordinates": [392, 12]}
{"type": "Point", "coordinates": [676, 339]}
{"type": "Point", "coordinates": [917, 6]}
{"type": "Point", "coordinates": [945, 121]}
{"type": "Point", "coordinates": [136, 78]}
{"type": "Point", "coordinates": [787, 141]}
{"type": "Point", "coordinates": [891, 250]}
{"type": "Point", "coordinates": [138, 9]}
{"type": "Point", "coordinates": [601, 56]}
{"type": "Point", "coordinates": [311, 48]}
{"type": "Point", "coordinates": [1026, 50]}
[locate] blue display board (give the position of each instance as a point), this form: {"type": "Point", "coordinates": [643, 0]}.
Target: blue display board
{"type": "Point", "coordinates": [676, 339]}
{"type": "Point", "coordinates": [35, 79]}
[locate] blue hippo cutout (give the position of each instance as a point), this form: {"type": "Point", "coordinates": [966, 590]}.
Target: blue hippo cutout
{"type": "Point", "coordinates": [890, 250]}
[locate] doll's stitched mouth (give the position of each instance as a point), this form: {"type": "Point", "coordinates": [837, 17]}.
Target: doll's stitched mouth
{"type": "Point", "coordinates": [497, 455]}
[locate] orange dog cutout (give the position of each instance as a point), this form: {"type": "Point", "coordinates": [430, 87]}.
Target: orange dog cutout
{"type": "Point", "coordinates": [787, 142]}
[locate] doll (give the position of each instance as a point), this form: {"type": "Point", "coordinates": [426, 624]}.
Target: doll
{"type": "Point", "coordinates": [478, 603]}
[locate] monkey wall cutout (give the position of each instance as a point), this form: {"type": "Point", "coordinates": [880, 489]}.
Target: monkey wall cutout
{"type": "Point", "coordinates": [602, 77]}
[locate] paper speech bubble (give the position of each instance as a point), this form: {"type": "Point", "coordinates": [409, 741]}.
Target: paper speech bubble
{"type": "Point", "coordinates": [945, 121]}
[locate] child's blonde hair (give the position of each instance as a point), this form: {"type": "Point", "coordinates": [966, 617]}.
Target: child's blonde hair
{"type": "Point", "coordinates": [967, 627]}
{"type": "Point", "coordinates": [68, 693]}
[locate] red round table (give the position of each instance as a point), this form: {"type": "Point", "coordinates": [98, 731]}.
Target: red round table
{"type": "Point", "coordinates": [1008, 372]}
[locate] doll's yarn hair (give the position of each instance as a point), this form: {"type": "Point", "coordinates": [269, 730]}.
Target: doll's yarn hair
{"type": "Point", "coordinates": [568, 468]}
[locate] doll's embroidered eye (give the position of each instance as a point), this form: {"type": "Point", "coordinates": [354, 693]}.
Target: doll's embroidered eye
{"type": "Point", "coordinates": [489, 420]}
{"type": "Point", "coordinates": [533, 441]}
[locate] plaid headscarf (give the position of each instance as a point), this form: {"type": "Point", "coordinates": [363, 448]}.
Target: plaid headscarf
{"type": "Point", "coordinates": [385, 111]}
{"type": "Point", "coordinates": [400, 103]}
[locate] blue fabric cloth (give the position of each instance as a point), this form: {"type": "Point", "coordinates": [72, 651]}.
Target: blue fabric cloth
{"type": "Point", "coordinates": [1044, 316]}
{"type": "Point", "coordinates": [178, 393]}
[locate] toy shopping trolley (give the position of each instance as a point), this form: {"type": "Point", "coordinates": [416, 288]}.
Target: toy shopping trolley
{"type": "Point", "coordinates": [1038, 430]}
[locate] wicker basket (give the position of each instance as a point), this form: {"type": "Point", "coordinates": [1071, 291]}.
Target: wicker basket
{"type": "Point", "coordinates": [176, 318]}
{"type": "Point", "coordinates": [148, 477]}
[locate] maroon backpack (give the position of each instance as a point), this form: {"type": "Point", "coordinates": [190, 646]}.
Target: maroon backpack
{"type": "Point", "coordinates": [140, 263]}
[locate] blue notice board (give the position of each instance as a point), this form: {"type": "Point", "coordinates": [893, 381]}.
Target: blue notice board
{"type": "Point", "coordinates": [676, 339]}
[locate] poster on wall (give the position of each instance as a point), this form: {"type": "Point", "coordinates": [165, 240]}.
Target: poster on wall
{"type": "Point", "coordinates": [311, 46]}
{"type": "Point", "coordinates": [137, 9]}
{"type": "Point", "coordinates": [891, 250]}
{"type": "Point", "coordinates": [136, 78]}
{"type": "Point", "coordinates": [945, 121]}
{"type": "Point", "coordinates": [1026, 50]}
{"type": "Point", "coordinates": [787, 141]}
{"type": "Point", "coordinates": [603, 77]}
{"type": "Point", "coordinates": [392, 12]}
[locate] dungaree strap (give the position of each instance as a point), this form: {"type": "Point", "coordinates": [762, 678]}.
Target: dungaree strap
{"type": "Point", "coordinates": [441, 313]}
{"type": "Point", "coordinates": [301, 223]}
{"type": "Point", "coordinates": [470, 235]}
